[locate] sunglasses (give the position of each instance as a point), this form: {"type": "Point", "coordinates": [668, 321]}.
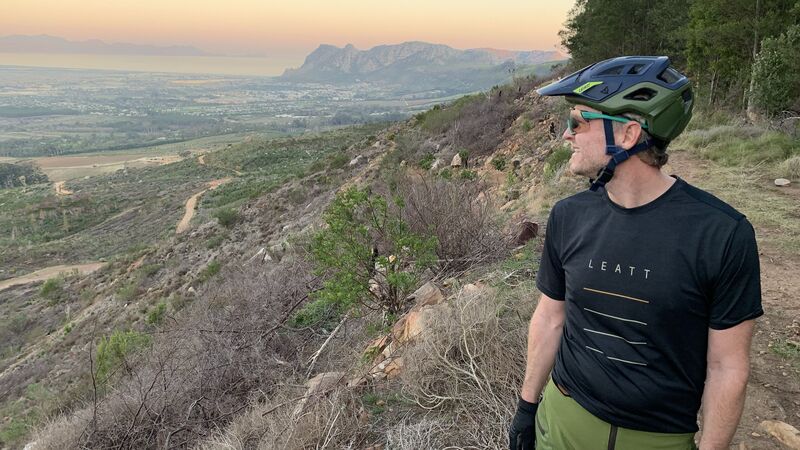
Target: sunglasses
{"type": "Point", "coordinates": [573, 123]}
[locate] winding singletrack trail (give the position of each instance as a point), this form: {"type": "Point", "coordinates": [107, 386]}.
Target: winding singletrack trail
{"type": "Point", "coordinates": [50, 272]}
{"type": "Point", "coordinates": [191, 204]}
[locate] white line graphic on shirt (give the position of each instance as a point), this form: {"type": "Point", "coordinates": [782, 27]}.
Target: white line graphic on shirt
{"type": "Point", "coordinates": [597, 291]}
{"type": "Point", "coordinates": [626, 361]}
{"type": "Point", "coordinates": [615, 359]}
{"type": "Point", "coordinates": [615, 336]}
{"type": "Point", "coordinates": [614, 317]}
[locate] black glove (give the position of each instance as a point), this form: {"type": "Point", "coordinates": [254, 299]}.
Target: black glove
{"type": "Point", "coordinates": [522, 433]}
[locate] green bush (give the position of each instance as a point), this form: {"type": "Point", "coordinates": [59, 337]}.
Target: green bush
{"type": "Point", "coordinates": [499, 163]}
{"type": "Point", "coordinates": [464, 155]}
{"type": "Point", "coordinates": [156, 315]}
{"type": "Point", "coordinates": [357, 221]}
{"type": "Point", "coordinates": [427, 161]}
{"type": "Point", "coordinates": [113, 351]}
{"type": "Point", "coordinates": [467, 174]}
{"type": "Point", "coordinates": [775, 81]}
{"type": "Point", "coordinates": [446, 173]}
{"type": "Point", "coordinates": [526, 125]}
{"type": "Point", "coordinates": [555, 161]}
{"type": "Point", "coordinates": [128, 291]}
{"type": "Point", "coordinates": [209, 271]}
{"type": "Point", "coordinates": [228, 217]}
{"type": "Point", "coordinates": [52, 290]}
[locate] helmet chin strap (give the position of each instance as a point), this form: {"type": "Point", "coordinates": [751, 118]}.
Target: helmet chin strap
{"type": "Point", "coordinates": [618, 156]}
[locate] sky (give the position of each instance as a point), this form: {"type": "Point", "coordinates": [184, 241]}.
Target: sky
{"type": "Point", "coordinates": [291, 29]}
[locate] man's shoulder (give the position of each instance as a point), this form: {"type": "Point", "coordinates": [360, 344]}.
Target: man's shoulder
{"type": "Point", "coordinates": [708, 203]}
{"type": "Point", "coordinates": [581, 201]}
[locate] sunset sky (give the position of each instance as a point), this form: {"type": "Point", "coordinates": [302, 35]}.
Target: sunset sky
{"type": "Point", "coordinates": [291, 29]}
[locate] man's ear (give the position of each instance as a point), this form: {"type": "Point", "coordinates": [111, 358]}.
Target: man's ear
{"type": "Point", "coordinates": [631, 131]}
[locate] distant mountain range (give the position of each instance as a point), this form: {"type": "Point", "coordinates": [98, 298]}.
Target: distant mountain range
{"type": "Point", "coordinates": [52, 44]}
{"type": "Point", "coordinates": [414, 62]}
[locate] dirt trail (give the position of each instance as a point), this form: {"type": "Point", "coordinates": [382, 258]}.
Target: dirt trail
{"type": "Point", "coordinates": [50, 272]}
{"type": "Point", "coordinates": [60, 189]}
{"type": "Point", "coordinates": [191, 204]}
{"type": "Point", "coordinates": [774, 386]}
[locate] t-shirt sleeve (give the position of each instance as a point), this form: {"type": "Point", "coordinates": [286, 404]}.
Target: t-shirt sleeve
{"type": "Point", "coordinates": [736, 294]}
{"type": "Point", "coordinates": [550, 278]}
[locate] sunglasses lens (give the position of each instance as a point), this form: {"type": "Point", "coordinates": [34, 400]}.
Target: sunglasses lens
{"type": "Point", "coordinates": [572, 123]}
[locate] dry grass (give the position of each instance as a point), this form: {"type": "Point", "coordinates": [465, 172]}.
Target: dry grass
{"type": "Point", "coordinates": [204, 368]}
{"type": "Point", "coordinates": [466, 370]}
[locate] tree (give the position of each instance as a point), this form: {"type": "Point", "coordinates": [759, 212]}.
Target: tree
{"type": "Point", "coordinates": [369, 255]}
{"type": "Point", "coordinates": [776, 86]}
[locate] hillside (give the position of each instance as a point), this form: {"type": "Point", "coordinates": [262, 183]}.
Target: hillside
{"type": "Point", "coordinates": [219, 337]}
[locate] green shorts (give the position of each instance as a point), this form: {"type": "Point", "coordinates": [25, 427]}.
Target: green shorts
{"type": "Point", "coordinates": [562, 424]}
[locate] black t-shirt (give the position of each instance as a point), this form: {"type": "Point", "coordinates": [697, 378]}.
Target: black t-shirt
{"type": "Point", "coordinates": [642, 287]}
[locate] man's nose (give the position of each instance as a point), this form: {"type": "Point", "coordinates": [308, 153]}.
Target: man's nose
{"type": "Point", "coordinates": [566, 135]}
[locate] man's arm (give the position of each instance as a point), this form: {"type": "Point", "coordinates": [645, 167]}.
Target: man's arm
{"type": "Point", "coordinates": [544, 336]}
{"type": "Point", "coordinates": [726, 383]}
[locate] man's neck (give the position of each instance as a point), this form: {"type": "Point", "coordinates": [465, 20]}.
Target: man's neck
{"type": "Point", "coordinates": [632, 188]}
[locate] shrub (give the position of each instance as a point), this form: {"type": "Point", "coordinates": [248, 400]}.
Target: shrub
{"type": "Point", "coordinates": [790, 168]}
{"type": "Point", "coordinates": [156, 315]}
{"type": "Point", "coordinates": [113, 351]}
{"type": "Point", "coordinates": [776, 85]}
{"type": "Point", "coordinates": [467, 174]}
{"type": "Point", "coordinates": [228, 217]}
{"type": "Point", "coordinates": [465, 369]}
{"type": "Point", "coordinates": [499, 163]}
{"type": "Point", "coordinates": [446, 173]}
{"type": "Point", "coordinates": [464, 155]}
{"type": "Point", "coordinates": [128, 290]}
{"type": "Point", "coordinates": [209, 271]}
{"type": "Point", "coordinates": [526, 125]}
{"type": "Point", "coordinates": [366, 239]}
{"type": "Point", "coordinates": [463, 223]}
{"type": "Point", "coordinates": [427, 161]}
{"type": "Point", "coordinates": [555, 161]}
{"type": "Point", "coordinates": [52, 290]}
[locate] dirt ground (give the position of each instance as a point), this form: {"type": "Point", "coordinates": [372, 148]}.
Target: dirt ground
{"type": "Point", "coordinates": [191, 204]}
{"type": "Point", "coordinates": [50, 272]}
{"type": "Point", "coordinates": [774, 387]}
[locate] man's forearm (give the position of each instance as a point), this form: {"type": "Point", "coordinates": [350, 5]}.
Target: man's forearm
{"type": "Point", "coordinates": [544, 336]}
{"type": "Point", "coordinates": [723, 401]}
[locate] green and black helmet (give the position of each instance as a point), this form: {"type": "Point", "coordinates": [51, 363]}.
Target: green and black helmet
{"type": "Point", "coordinates": [643, 85]}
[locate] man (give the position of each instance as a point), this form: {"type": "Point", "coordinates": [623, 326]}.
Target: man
{"type": "Point", "coordinates": [650, 286]}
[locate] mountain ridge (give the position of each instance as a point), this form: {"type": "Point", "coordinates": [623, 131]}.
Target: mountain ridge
{"type": "Point", "coordinates": [396, 61]}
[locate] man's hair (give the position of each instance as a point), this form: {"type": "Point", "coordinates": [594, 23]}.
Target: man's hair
{"type": "Point", "coordinates": [655, 155]}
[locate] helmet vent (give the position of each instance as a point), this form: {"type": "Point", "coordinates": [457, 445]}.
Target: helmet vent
{"type": "Point", "coordinates": [636, 69]}
{"type": "Point", "coordinates": [642, 94]}
{"type": "Point", "coordinates": [669, 75]}
{"type": "Point", "coordinates": [613, 71]}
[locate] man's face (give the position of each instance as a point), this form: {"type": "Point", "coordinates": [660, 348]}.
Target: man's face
{"type": "Point", "coordinates": [588, 144]}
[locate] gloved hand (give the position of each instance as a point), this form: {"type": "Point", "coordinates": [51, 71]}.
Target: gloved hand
{"type": "Point", "coordinates": [522, 433]}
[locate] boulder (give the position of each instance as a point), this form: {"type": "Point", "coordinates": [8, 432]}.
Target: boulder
{"type": "Point", "coordinates": [787, 434]}
{"type": "Point", "coordinates": [782, 182]}
{"type": "Point", "coordinates": [427, 294]}
{"type": "Point", "coordinates": [393, 368]}
{"type": "Point", "coordinates": [319, 384]}
{"type": "Point", "coordinates": [527, 231]}
{"type": "Point", "coordinates": [437, 164]}
{"type": "Point", "coordinates": [456, 162]}
{"type": "Point", "coordinates": [356, 161]}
